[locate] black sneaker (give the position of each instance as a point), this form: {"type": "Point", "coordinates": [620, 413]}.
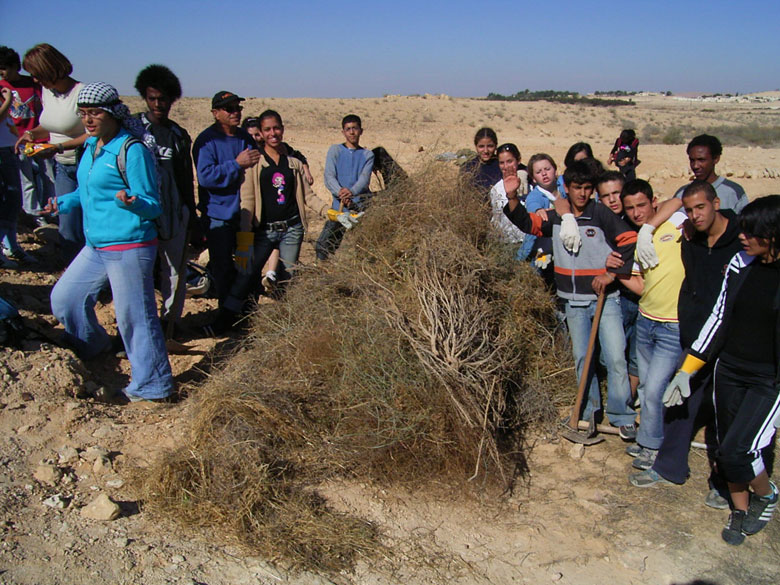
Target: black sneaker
{"type": "Point", "coordinates": [760, 511]}
{"type": "Point", "coordinates": [732, 533]}
{"type": "Point", "coordinates": [627, 432]}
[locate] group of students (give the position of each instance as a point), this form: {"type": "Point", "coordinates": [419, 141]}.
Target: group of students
{"type": "Point", "coordinates": [692, 299]}
{"type": "Point", "coordinates": [122, 190]}
{"type": "Point", "coordinates": [691, 315]}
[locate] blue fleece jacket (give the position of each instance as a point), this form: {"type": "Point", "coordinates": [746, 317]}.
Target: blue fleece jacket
{"type": "Point", "coordinates": [219, 175]}
{"type": "Point", "coordinates": [350, 168]}
{"type": "Point", "coordinates": [108, 221]}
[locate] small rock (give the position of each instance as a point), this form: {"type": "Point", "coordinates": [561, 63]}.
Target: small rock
{"type": "Point", "coordinates": [101, 465]}
{"type": "Point", "coordinates": [577, 451]}
{"type": "Point", "coordinates": [56, 501]}
{"type": "Point", "coordinates": [68, 454]}
{"type": "Point", "coordinates": [121, 541]}
{"type": "Point", "coordinates": [177, 559]}
{"type": "Point", "coordinates": [27, 397]}
{"type": "Point", "coordinates": [23, 429]}
{"type": "Point", "coordinates": [48, 474]}
{"type": "Point", "coordinates": [557, 576]}
{"type": "Point", "coordinates": [93, 453]}
{"type": "Point", "coordinates": [115, 483]}
{"type": "Point", "coordinates": [101, 508]}
{"type": "Point", "coordinates": [103, 432]}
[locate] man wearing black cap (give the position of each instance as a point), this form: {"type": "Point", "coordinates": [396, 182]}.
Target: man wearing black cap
{"type": "Point", "coordinates": [222, 152]}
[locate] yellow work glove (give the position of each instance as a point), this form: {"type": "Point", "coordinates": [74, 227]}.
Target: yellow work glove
{"type": "Point", "coordinates": [245, 249]}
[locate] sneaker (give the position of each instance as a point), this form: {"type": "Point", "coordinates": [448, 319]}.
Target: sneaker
{"type": "Point", "coordinates": [715, 500]}
{"type": "Point", "coordinates": [760, 511]}
{"type": "Point", "coordinates": [21, 256]}
{"type": "Point", "coordinates": [627, 432]}
{"type": "Point", "coordinates": [633, 450]}
{"type": "Point", "coordinates": [732, 533]}
{"type": "Point", "coordinates": [647, 478]}
{"type": "Point", "coordinates": [41, 221]}
{"type": "Point", "coordinates": [8, 263]}
{"type": "Point", "coordinates": [645, 459]}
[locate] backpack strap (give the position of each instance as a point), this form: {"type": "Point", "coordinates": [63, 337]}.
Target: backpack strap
{"type": "Point", "coordinates": [121, 158]}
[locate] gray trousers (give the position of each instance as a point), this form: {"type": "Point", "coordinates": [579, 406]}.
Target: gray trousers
{"type": "Point", "coordinates": [172, 254]}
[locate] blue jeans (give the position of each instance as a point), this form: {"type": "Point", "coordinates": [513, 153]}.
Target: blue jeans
{"type": "Point", "coordinates": [221, 242]}
{"type": "Point", "coordinates": [71, 224]}
{"type": "Point", "coordinates": [10, 196]}
{"type": "Point", "coordinates": [37, 183]}
{"type": "Point", "coordinates": [129, 272]}
{"type": "Point", "coordinates": [330, 239]}
{"type": "Point", "coordinates": [658, 352]}
{"type": "Point", "coordinates": [266, 241]}
{"type": "Point", "coordinates": [630, 310]}
{"type": "Point", "coordinates": [613, 346]}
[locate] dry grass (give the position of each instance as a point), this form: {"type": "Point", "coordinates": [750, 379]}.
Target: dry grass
{"type": "Point", "coordinates": [420, 353]}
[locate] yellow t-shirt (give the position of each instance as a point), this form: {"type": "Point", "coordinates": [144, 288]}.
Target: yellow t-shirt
{"type": "Point", "coordinates": [663, 282]}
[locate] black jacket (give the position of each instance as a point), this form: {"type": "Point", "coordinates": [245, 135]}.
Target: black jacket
{"type": "Point", "coordinates": [705, 268]}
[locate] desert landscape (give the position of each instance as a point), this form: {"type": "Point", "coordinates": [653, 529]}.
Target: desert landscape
{"type": "Point", "coordinates": [571, 518]}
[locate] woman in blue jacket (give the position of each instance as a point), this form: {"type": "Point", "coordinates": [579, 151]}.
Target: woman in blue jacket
{"type": "Point", "coordinates": [121, 245]}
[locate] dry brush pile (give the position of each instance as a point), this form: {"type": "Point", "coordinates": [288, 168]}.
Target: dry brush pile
{"type": "Point", "coordinates": [421, 351]}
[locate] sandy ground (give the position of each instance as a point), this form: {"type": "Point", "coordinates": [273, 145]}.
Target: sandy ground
{"type": "Point", "coordinates": [575, 518]}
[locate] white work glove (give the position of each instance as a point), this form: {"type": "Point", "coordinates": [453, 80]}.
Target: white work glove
{"type": "Point", "coordinates": [345, 220]}
{"type": "Point", "coordinates": [678, 389]}
{"type": "Point", "coordinates": [645, 250]}
{"type": "Point", "coordinates": [570, 233]}
{"type": "Point", "coordinates": [542, 260]}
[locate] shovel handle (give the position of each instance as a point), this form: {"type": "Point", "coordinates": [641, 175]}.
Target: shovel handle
{"type": "Point", "coordinates": [594, 330]}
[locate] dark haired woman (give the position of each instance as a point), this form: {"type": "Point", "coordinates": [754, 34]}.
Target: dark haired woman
{"type": "Point", "coordinates": [743, 335]}
{"type": "Point", "coordinates": [273, 216]}
{"type": "Point", "coordinates": [482, 170]}
{"type": "Point", "coordinates": [59, 120]}
{"type": "Point", "coordinates": [577, 151]}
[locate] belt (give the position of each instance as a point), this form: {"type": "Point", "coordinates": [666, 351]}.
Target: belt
{"type": "Point", "coordinates": [280, 226]}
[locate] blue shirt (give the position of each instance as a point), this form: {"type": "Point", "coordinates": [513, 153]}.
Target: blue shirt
{"type": "Point", "coordinates": [108, 221]}
{"type": "Point", "coordinates": [219, 175]}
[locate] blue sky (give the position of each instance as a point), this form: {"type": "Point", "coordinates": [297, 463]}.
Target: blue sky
{"type": "Point", "coordinates": [358, 49]}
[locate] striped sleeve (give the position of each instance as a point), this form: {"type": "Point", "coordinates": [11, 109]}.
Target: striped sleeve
{"type": "Point", "coordinates": [702, 347]}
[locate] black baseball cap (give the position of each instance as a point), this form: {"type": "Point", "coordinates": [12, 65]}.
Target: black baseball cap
{"type": "Point", "coordinates": [223, 98]}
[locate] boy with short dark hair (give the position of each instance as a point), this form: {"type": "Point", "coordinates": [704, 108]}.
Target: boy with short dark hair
{"type": "Point", "coordinates": [348, 169]}
{"type": "Point", "coordinates": [601, 232]}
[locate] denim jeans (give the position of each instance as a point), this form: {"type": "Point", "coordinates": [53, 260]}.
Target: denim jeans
{"type": "Point", "coordinates": [658, 351]}
{"type": "Point", "coordinates": [613, 345]}
{"type": "Point", "coordinates": [330, 239]}
{"type": "Point", "coordinates": [129, 272]}
{"type": "Point", "coordinates": [221, 242]}
{"type": "Point", "coordinates": [630, 309]}
{"type": "Point", "coordinates": [71, 224]}
{"type": "Point", "coordinates": [266, 241]}
{"type": "Point", "coordinates": [10, 196]}
{"type": "Point", "coordinates": [37, 183]}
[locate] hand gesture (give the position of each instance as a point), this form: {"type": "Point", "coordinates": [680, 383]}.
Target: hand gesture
{"type": "Point", "coordinates": [511, 186]}
{"type": "Point", "coordinates": [126, 199]}
{"type": "Point", "coordinates": [248, 158]}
